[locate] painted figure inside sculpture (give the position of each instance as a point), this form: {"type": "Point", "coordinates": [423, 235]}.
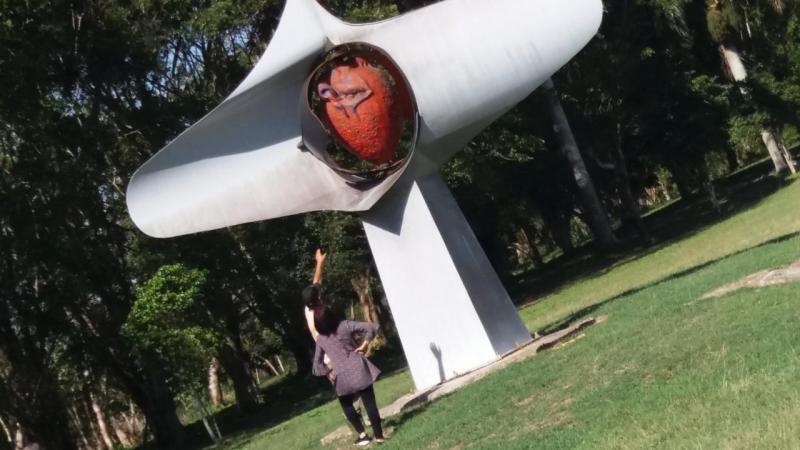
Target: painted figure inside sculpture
{"type": "Point", "coordinates": [363, 102]}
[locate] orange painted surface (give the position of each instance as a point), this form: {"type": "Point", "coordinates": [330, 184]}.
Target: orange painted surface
{"type": "Point", "coordinates": [363, 110]}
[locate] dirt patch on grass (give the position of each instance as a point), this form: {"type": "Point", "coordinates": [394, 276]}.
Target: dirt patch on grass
{"type": "Point", "coordinates": [565, 343]}
{"type": "Point", "coordinates": [525, 401]}
{"type": "Point", "coordinates": [554, 420]}
{"type": "Point", "coordinates": [770, 277]}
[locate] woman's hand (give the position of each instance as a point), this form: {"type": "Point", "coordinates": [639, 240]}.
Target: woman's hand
{"type": "Point", "coordinates": [332, 377]}
{"type": "Point", "coordinates": [363, 347]}
{"type": "Point", "coordinates": [319, 257]}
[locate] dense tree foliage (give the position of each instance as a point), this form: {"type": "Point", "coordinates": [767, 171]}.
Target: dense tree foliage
{"type": "Point", "coordinates": [93, 313]}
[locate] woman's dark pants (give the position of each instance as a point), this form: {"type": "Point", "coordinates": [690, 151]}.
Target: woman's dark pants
{"type": "Point", "coordinates": [368, 399]}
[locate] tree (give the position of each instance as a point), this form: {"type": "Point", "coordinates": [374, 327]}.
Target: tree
{"type": "Point", "coordinates": [725, 23]}
{"type": "Point", "coordinates": [596, 215]}
{"type": "Point", "coordinates": [169, 324]}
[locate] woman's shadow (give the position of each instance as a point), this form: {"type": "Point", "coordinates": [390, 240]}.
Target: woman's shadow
{"type": "Point", "coordinates": [437, 353]}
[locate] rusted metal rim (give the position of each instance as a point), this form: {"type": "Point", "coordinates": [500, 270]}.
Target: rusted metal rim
{"type": "Point", "coordinates": [315, 135]}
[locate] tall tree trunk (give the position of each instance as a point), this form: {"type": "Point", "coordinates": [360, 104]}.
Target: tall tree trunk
{"type": "Point", "coordinates": [302, 357]}
{"type": "Point", "coordinates": [7, 431]}
{"type": "Point", "coordinates": [102, 426]}
{"type": "Point", "coordinates": [525, 249]}
{"type": "Point", "coordinates": [787, 155]}
{"type": "Point", "coordinates": [30, 391]}
{"type": "Point", "coordinates": [737, 71]}
{"type": "Point", "coordinates": [732, 158]}
{"type": "Point", "coordinates": [664, 187]}
{"type": "Point", "coordinates": [19, 439]}
{"type": "Point", "coordinates": [214, 390]}
{"type": "Point", "coordinates": [12, 432]}
{"type": "Point", "coordinates": [734, 65]}
{"type": "Point", "coordinates": [713, 197]}
{"type": "Point", "coordinates": [271, 366]}
{"type": "Point", "coordinates": [157, 403]}
{"type": "Point", "coordinates": [536, 255]}
{"type": "Point", "coordinates": [123, 437]}
{"type": "Point", "coordinates": [361, 284]}
{"type": "Point", "coordinates": [208, 419]}
{"type": "Point", "coordinates": [77, 423]}
{"type": "Point", "coordinates": [298, 341]}
{"type": "Point", "coordinates": [631, 205]}
{"type": "Point", "coordinates": [687, 176]}
{"type": "Point", "coordinates": [488, 232]}
{"type": "Point", "coordinates": [558, 224]}
{"type": "Point", "coordinates": [781, 166]}
{"type": "Point", "coordinates": [293, 333]}
{"type": "Point", "coordinates": [595, 213]}
{"type": "Point", "coordinates": [237, 368]}
{"type": "Point", "coordinates": [127, 427]}
{"type": "Point", "coordinates": [41, 409]}
{"type": "Point", "coordinates": [144, 381]}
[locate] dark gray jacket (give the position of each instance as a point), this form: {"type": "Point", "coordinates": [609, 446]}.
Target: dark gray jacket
{"type": "Point", "coordinates": [353, 372]}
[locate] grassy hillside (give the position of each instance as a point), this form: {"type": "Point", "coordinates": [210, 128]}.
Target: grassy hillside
{"type": "Point", "coordinates": [666, 370]}
{"type": "Point", "coordinates": [776, 216]}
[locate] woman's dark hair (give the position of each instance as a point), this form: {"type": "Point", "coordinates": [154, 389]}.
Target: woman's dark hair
{"type": "Point", "coordinates": [312, 295]}
{"type": "Point", "coordinates": [326, 321]}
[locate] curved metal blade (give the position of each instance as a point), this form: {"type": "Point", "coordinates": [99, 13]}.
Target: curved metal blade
{"type": "Point", "coordinates": [241, 163]}
{"type": "Point", "coordinates": [470, 61]}
{"type": "Point", "coordinates": [467, 62]}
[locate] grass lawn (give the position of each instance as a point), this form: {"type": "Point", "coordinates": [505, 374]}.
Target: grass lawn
{"type": "Point", "coordinates": [311, 423]}
{"type": "Point", "coordinates": [772, 218]}
{"type": "Point", "coordinates": [667, 370]}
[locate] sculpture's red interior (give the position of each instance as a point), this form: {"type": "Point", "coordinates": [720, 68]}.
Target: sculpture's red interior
{"type": "Point", "coordinates": [364, 106]}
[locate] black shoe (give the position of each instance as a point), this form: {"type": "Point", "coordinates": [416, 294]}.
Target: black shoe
{"type": "Point", "coordinates": [362, 441]}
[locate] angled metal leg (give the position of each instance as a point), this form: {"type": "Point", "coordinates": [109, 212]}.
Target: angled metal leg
{"type": "Point", "coordinates": [451, 310]}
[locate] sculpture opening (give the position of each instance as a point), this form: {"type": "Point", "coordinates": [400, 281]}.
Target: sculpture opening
{"type": "Point", "coordinates": [363, 103]}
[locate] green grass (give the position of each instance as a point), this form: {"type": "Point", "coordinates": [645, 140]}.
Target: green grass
{"type": "Point", "coordinates": [667, 370]}
{"type": "Point", "coordinates": [307, 428]}
{"type": "Point", "coordinates": [771, 218]}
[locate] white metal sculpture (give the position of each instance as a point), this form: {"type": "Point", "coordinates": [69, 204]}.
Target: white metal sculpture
{"type": "Point", "coordinates": [465, 62]}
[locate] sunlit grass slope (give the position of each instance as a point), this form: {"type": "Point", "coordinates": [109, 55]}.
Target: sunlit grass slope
{"type": "Point", "coordinates": [775, 216]}
{"type": "Point", "coordinates": [666, 370]}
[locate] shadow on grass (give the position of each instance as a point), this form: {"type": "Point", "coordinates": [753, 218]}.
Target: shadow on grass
{"type": "Point", "coordinates": [396, 422]}
{"type": "Point", "coordinates": [584, 312]}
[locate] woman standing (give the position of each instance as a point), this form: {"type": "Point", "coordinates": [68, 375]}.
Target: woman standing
{"type": "Point", "coordinates": [351, 373]}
